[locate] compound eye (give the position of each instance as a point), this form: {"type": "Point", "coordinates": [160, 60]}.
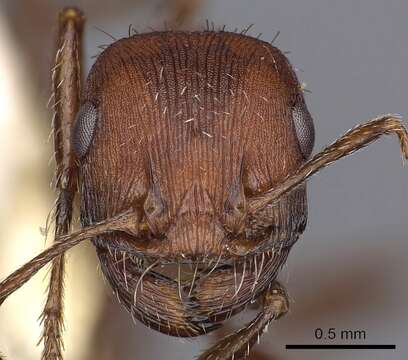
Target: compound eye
{"type": "Point", "coordinates": [304, 128]}
{"type": "Point", "coordinates": [84, 129]}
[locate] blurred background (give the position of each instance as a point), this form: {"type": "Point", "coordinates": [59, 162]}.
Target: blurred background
{"type": "Point", "coordinates": [347, 272]}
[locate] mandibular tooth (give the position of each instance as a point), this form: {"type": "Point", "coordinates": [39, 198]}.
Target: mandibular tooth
{"type": "Point", "coordinates": [179, 280]}
{"type": "Point", "coordinates": [194, 277]}
{"type": "Point", "coordinates": [124, 269]}
{"type": "Point", "coordinates": [235, 276]}
{"type": "Point", "coordinates": [256, 266]}
{"type": "Point", "coordinates": [242, 279]}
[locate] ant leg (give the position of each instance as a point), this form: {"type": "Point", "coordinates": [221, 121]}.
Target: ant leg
{"type": "Point", "coordinates": [237, 345]}
{"type": "Point", "coordinates": [66, 92]}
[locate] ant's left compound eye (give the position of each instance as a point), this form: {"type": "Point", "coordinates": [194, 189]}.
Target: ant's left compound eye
{"type": "Point", "coordinates": [84, 129]}
{"type": "Point", "coordinates": [304, 128]}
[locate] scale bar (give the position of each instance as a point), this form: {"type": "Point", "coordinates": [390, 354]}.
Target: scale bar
{"type": "Point", "coordinates": [340, 347]}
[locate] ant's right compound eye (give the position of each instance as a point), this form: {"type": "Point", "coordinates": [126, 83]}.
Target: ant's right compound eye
{"type": "Point", "coordinates": [84, 129]}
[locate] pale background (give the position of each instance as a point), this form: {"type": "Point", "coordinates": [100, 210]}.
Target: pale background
{"type": "Point", "coordinates": [349, 271]}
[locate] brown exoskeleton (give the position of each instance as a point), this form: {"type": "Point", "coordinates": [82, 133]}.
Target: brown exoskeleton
{"type": "Point", "coordinates": [189, 152]}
